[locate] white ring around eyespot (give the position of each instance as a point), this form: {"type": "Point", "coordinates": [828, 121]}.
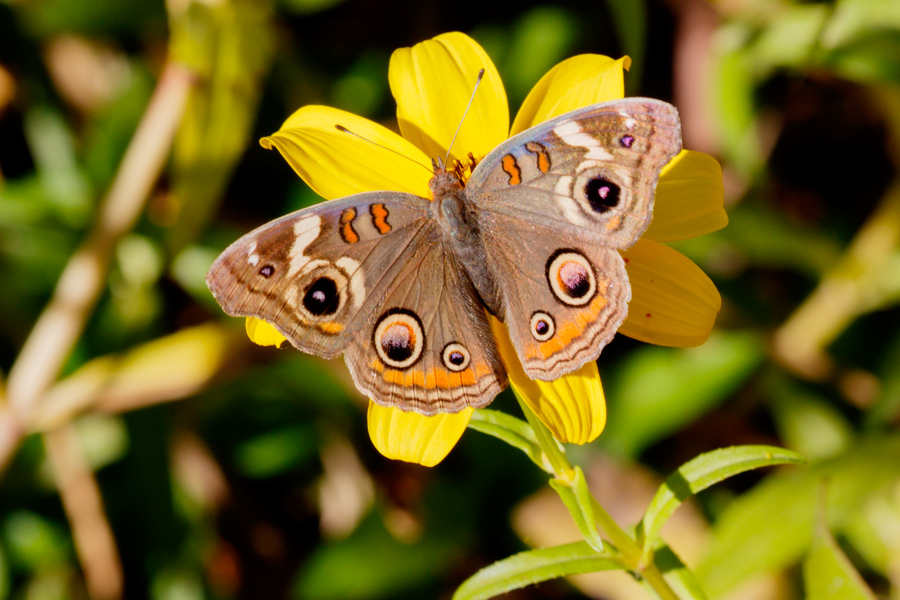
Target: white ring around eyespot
{"type": "Point", "coordinates": [450, 349]}
{"type": "Point", "coordinates": [542, 316]}
{"type": "Point", "coordinates": [557, 261]}
{"type": "Point", "coordinates": [399, 318]}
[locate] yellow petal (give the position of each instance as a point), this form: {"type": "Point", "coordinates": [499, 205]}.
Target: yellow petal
{"type": "Point", "coordinates": [262, 333]}
{"type": "Point", "coordinates": [689, 198]}
{"type": "Point", "coordinates": [432, 83]}
{"type": "Point", "coordinates": [572, 407]}
{"type": "Point", "coordinates": [414, 438]}
{"type": "Point", "coordinates": [337, 163]}
{"type": "Point", "coordinates": [574, 83]}
{"type": "Point", "coordinates": [673, 302]}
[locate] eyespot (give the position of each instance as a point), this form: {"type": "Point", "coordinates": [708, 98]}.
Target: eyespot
{"type": "Point", "coordinates": [267, 271]}
{"type": "Point", "coordinates": [626, 141]}
{"type": "Point", "coordinates": [542, 326]}
{"type": "Point", "coordinates": [455, 356]}
{"type": "Point", "coordinates": [398, 338]}
{"type": "Point", "coordinates": [322, 297]}
{"type": "Point", "coordinates": [323, 292]}
{"type": "Point", "coordinates": [571, 277]}
{"type": "Point", "coordinates": [601, 193]}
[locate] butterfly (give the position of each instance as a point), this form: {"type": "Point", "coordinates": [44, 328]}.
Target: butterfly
{"type": "Point", "coordinates": [403, 286]}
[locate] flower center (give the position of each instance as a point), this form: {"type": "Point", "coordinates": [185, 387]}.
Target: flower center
{"type": "Point", "coordinates": [463, 169]}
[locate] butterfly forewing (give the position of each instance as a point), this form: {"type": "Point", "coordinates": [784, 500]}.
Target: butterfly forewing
{"type": "Point", "coordinates": [591, 171]}
{"type": "Point", "coordinates": [318, 274]}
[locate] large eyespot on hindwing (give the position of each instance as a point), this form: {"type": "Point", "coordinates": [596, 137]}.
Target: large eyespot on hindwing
{"type": "Point", "coordinates": [324, 290]}
{"type": "Point", "coordinates": [571, 277]}
{"type": "Point", "coordinates": [542, 326]}
{"type": "Point", "coordinates": [399, 338]}
{"type": "Point", "coordinates": [455, 357]}
{"type": "Point", "coordinates": [596, 188]}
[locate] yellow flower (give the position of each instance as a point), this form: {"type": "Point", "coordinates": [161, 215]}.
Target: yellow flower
{"type": "Point", "coordinates": [673, 302]}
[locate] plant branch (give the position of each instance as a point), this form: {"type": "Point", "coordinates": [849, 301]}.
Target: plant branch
{"type": "Point", "coordinates": [84, 277]}
{"type": "Point", "coordinates": [80, 494]}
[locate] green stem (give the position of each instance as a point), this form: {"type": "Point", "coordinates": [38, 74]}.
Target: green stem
{"type": "Point", "coordinates": [557, 458]}
{"type": "Point", "coordinates": [629, 549]}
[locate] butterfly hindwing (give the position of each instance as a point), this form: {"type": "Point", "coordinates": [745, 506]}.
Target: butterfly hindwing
{"type": "Point", "coordinates": [428, 346]}
{"type": "Point", "coordinates": [563, 299]}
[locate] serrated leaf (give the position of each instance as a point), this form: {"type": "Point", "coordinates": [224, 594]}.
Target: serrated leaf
{"type": "Point", "coordinates": [515, 432]}
{"type": "Point", "coordinates": [700, 473]}
{"type": "Point", "coordinates": [535, 566]}
{"type": "Point", "coordinates": [577, 497]}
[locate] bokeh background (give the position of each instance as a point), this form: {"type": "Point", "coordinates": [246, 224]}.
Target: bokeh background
{"type": "Point", "coordinates": [149, 450]}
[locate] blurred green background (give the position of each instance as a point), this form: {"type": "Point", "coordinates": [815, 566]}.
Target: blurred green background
{"type": "Point", "coordinates": [169, 458]}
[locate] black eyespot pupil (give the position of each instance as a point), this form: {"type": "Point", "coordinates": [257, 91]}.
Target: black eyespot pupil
{"type": "Point", "coordinates": [267, 271]}
{"type": "Point", "coordinates": [542, 327]}
{"type": "Point", "coordinates": [627, 141]}
{"type": "Point", "coordinates": [457, 358]}
{"type": "Point", "coordinates": [321, 297]}
{"type": "Point", "coordinates": [601, 194]}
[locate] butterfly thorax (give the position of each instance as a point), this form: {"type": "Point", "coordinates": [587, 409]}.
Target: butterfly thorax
{"type": "Point", "coordinates": [459, 226]}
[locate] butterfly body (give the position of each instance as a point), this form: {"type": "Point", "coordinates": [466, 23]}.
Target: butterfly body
{"type": "Point", "coordinates": [404, 286]}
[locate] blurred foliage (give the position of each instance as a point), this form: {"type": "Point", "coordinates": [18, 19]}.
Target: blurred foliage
{"type": "Point", "coordinates": [260, 482]}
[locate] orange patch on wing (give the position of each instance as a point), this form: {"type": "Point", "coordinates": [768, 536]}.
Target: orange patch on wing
{"type": "Point", "coordinates": [330, 327]}
{"type": "Point", "coordinates": [511, 168]}
{"type": "Point", "coordinates": [543, 157]}
{"type": "Point", "coordinates": [567, 331]}
{"type": "Point", "coordinates": [379, 218]}
{"type": "Point", "coordinates": [348, 234]}
{"type": "Point", "coordinates": [437, 378]}
{"type": "Point", "coordinates": [614, 223]}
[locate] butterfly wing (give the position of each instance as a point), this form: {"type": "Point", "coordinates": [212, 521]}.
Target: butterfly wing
{"type": "Point", "coordinates": [562, 298]}
{"type": "Point", "coordinates": [554, 205]}
{"type": "Point", "coordinates": [590, 173]}
{"type": "Point", "coordinates": [317, 274]}
{"type": "Point", "coordinates": [429, 347]}
{"type": "Point", "coordinates": [368, 275]}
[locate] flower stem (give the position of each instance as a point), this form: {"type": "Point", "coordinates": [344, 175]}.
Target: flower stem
{"type": "Point", "coordinates": [629, 549]}
{"type": "Point", "coordinates": [555, 456]}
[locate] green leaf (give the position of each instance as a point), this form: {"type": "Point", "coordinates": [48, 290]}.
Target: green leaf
{"type": "Point", "coordinates": [577, 497]}
{"type": "Point", "coordinates": [770, 527]}
{"type": "Point", "coordinates": [535, 566]}
{"type": "Point", "coordinates": [807, 422]}
{"type": "Point", "coordinates": [277, 451]}
{"type": "Point", "coordinates": [679, 577]}
{"type": "Point", "coordinates": [5, 583]}
{"type": "Point", "coordinates": [513, 431]}
{"type": "Point", "coordinates": [630, 18]}
{"type": "Point", "coordinates": [541, 38]}
{"type": "Point", "coordinates": [229, 46]}
{"type": "Point", "coordinates": [659, 390]}
{"type": "Point", "coordinates": [371, 564]}
{"type": "Point", "coordinates": [828, 574]}
{"type": "Point", "coordinates": [34, 542]}
{"type": "Point", "coordinates": [700, 473]}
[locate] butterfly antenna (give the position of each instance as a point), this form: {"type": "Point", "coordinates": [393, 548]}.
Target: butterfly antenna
{"type": "Point", "coordinates": [343, 129]}
{"type": "Point", "coordinates": [465, 112]}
